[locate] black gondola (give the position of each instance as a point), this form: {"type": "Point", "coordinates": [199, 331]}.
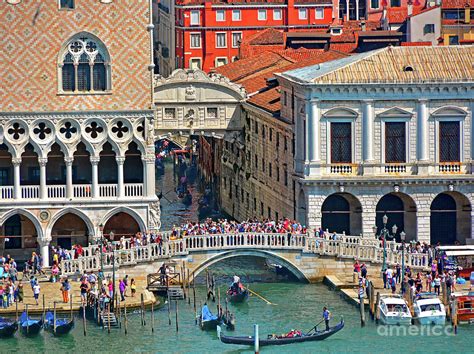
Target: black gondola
{"type": "Point", "coordinates": [63, 325]}
{"type": "Point", "coordinates": [28, 326]}
{"type": "Point", "coordinates": [208, 321]}
{"type": "Point", "coordinates": [237, 297]}
{"type": "Point", "coordinates": [272, 340]}
{"type": "Point", "coordinates": [7, 327]}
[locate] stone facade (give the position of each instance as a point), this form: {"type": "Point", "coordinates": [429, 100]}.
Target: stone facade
{"type": "Point", "coordinates": [76, 121]}
{"type": "Point", "coordinates": [256, 173]}
{"type": "Point", "coordinates": [420, 177]}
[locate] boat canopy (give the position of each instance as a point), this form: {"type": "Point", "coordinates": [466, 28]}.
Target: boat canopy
{"type": "Point", "coordinates": [456, 248]}
{"type": "Point", "coordinates": [460, 253]}
{"type": "Point", "coordinates": [206, 314]}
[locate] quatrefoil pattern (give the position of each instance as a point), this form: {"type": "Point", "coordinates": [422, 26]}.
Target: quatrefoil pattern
{"type": "Point", "coordinates": [68, 130]}
{"type": "Point", "coordinates": [95, 130]}
{"type": "Point", "coordinates": [16, 131]}
{"type": "Point", "coordinates": [141, 129]}
{"type": "Point", "coordinates": [120, 129]}
{"type": "Point", "coordinates": [42, 131]}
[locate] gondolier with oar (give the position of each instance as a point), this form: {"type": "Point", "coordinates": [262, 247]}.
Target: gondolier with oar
{"type": "Point", "coordinates": [326, 317]}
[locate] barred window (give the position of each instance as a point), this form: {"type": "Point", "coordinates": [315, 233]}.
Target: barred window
{"type": "Point", "coordinates": [341, 143]}
{"type": "Point", "coordinates": [395, 142]}
{"type": "Point", "coordinates": [449, 142]}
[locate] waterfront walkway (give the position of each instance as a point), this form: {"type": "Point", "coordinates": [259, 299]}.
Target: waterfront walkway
{"type": "Point", "coordinates": [52, 293]}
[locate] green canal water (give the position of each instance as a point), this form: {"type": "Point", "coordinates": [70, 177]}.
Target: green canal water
{"type": "Point", "coordinates": [296, 306]}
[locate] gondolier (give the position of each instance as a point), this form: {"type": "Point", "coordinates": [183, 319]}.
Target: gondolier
{"type": "Point", "coordinates": [326, 317]}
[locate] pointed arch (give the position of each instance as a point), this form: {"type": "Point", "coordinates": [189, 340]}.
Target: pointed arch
{"type": "Point", "coordinates": [137, 217]}
{"type": "Point", "coordinates": [70, 210]}
{"type": "Point", "coordinates": [449, 111]}
{"type": "Point", "coordinates": [32, 217]}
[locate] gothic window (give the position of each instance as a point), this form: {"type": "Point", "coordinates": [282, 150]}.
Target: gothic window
{"type": "Point", "coordinates": [395, 142]}
{"type": "Point", "coordinates": [449, 142]}
{"type": "Point", "coordinates": [341, 143]}
{"type": "Point", "coordinates": [84, 66]}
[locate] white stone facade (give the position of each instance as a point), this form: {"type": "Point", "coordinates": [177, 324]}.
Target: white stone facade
{"type": "Point", "coordinates": [365, 177]}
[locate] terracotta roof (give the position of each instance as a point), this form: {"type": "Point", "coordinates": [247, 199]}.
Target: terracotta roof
{"type": "Point", "coordinates": [446, 63]}
{"type": "Point", "coordinates": [253, 72]}
{"type": "Point", "coordinates": [269, 36]}
{"type": "Point", "coordinates": [344, 47]}
{"type": "Point", "coordinates": [400, 14]}
{"type": "Point", "coordinates": [456, 4]}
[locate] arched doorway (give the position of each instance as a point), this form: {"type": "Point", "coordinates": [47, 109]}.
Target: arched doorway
{"type": "Point", "coordinates": [342, 212]}
{"type": "Point", "coordinates": [301, 214]}
{"type": "Point", "coordinates": [56, 167]}
{"type": "Point", "coordinates": [68, 230]}
{"type": "Point", "coordinates": [121, 224]}
{"type": "Point", "coordinates": [401, 211]}
{"type": "Point", "coordinates": [6, 166]}
{"type": "Point", "coordinates": [108, 165]}
{"type": "Point", "coordinates": [82, 166]}
{"type": "Point", "coordinates": [133, 166]}
{"type": "Point", "coordinates": [20, 237]}
{"type": "Point", "coordinates": [450, 219]}
{"type": "Point", "coordinates": [30, 169]}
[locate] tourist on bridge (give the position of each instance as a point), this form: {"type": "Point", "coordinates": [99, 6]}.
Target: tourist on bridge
{"type": "Point", "coordinates": [326, 317]}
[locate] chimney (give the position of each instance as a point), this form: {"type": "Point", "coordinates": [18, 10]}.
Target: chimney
{"type": "Point", "coordinates": [409, 8]}
{"type": "Point", "coordinates": [363, 26]}
{"type": "Point", "coordinates": [467, 14]}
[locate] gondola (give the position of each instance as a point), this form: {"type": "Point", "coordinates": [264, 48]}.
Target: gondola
{"type": "Point", "coordinates": [235, 298]}
{"type": "Point", "coordinates": [208, 321]}
{"type": "Point", "coordinates": [7, 327]}
{"type": "Point", "coordinates": [28, 326]}
{"type": "Point", "coordinates": [63, 325]}
{"type": "Point", "coordinates": [273, 340]}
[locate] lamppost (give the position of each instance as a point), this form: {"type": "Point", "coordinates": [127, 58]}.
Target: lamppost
{"type": "Point", "coordinates": [111, 235]}
{"type": "Point", "coordinates": [101, 229]}
{"type": "Point", "coordinates": [385, 234]}
{"type": "Point", "coordinates": [402, 237]}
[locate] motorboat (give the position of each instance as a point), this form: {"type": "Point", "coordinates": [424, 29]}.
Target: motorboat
{"type": "Point", "coordinates": [394, 311]}
{"type": "Point", "coordinates": [464, 306]}
{"type": "Point", "coordinates": [429, 310]}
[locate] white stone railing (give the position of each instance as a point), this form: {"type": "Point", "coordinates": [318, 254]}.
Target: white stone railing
{"type": "Point", "coordinates": [56, 192]}
{"type": "Point", "coordinates": [450, 167]}
{"type": "Point", "coordinates": [107, 190]}
{"type": "Point", "coordinates": [395, 168]}
{"type": "Point", "coordinates": [6, 192]}
{"type": "Point", "coordinates": [82, 190]}
{"type": "Point", "coordinates": [30, 192]}
{"type": "Point", "coordinates": [134, 189]}
{"type": "Point", "coordinates": [345, 247]}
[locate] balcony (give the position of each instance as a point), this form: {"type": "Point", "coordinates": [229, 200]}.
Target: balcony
{"type": "Point", "coordinates": [343, 169]}
{"type": "Point", "coordinates": [451, 168]}
{"type": "Point", "coordinates": [79, 191]}
{"type": "Point", "coordinates": [396, 168]}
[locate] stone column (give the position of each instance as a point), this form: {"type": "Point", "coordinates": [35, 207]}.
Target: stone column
{"type": "Point", "coordinates": [347, 11]}
{"type": "Point", "coordinates": [149, 177]}
{"type": "Point", "coordinates": [69, 189]}
{"type": "Point", "coordinates": [369, 204]}
{"type": "Point", "coordinates": [368, 131]}
{"type": "Point", "coordinates": [357, 10]}
{"type": "Point", "coordinates": [121, 186]}
{"type": "Point", "coordinates": [422, 224]}
{"type": "Point", "coordinates": [312, 153]}
{"type": "Point", "coordinates": [16, 178]}
{"type": "Point", "coordinates": [299, 138]}
{"type": "Point", "coordinates": [95, 176]}
{"type": "Point", "coordinates": [44, 251]}
{"type": "Point", "coordinates": [422, 137]}
{"type": "Point", "coordinates": [43, 189]}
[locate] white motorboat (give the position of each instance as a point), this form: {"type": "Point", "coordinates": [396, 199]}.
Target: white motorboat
{"type": "Point", "coordinates": [429, 310]}
{"type": "Point", "coordinates": [394, 310]}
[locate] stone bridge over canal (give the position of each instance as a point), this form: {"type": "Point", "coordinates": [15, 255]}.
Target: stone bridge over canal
{"type": "Point", "coordinates": [310, 259]}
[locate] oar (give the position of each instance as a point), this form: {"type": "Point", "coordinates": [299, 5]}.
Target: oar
{"type": "Point", "coordinates": [261, 297]}
{"type": "Point", "coordinates": [315, 326]}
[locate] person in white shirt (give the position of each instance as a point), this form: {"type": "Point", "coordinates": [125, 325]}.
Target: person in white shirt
{"type": "Point", "coordinates": [36, 292]}
{"type": "Point", "coordinates": [389, 273]}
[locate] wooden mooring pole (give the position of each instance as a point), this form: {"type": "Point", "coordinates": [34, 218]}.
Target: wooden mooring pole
{"type": "Point", "coordinates": [189, 286]}
{"type": "Point", "coordinates": [169, 309]}
{"type": "Point", "coordinates": [125, 322]}
{"type": "Point", "coordinates": [176, 303]}
{"type": "Point", "coordinates": [377, 308]}
{"type": "Point", "coordinates": [152, 317]}
{"type": "Point", "coordinates": [84, 319]}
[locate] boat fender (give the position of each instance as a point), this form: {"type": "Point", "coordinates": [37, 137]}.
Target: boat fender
{"type": "Point", "coordinates": [219, 332]}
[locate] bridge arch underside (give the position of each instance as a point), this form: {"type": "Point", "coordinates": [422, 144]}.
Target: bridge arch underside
{"type": "Point", "coordinates": [255, 253]}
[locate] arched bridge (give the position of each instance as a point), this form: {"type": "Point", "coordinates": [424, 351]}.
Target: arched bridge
{"type": "Point", "coordinates": [307, 257]}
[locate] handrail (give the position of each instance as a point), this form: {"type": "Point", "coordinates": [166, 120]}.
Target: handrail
{"type": "Point", "coordinates": [344, 247]}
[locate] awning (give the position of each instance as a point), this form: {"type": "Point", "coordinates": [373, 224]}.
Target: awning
{"type": "Point", "coordinates": [460, 253]}
{"type": "Point", "coordinates": [456, 248]}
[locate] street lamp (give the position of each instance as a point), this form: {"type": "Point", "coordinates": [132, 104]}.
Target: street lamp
{"type": "Point", "coordinates": [385, 234]}
{"type": "Point", "coordinates": [402, 237]}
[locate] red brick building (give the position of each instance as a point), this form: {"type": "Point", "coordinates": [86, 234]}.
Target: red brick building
{"type": "Point", "coordinates": [207, 33]}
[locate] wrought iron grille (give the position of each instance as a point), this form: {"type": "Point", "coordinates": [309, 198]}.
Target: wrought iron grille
{"type": "Point", "coordinates": [395, 142]}
{"type": "Point", "coordinates": [449, 142]}
{"type": "Point", "coordinates": [341, 143]}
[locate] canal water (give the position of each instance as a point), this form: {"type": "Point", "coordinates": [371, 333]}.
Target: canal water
{"type": "Point", "coordinates": [294, 306]}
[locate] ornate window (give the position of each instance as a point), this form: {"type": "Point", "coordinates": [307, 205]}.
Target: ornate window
{"type": "Point", "coordinates": [84, 66]}
{"type": "Point", "coordinates": [395, 142]}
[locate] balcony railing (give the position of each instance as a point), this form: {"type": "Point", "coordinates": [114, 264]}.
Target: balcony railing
{"type": "Point", "coordinates": [80, 191]}
{"type": "Point", "coordinates": [343, 169]}
{"type": "Point", "coordinates": [450, 167]}
{"type": "Point", "coordinates": [395, 168]}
